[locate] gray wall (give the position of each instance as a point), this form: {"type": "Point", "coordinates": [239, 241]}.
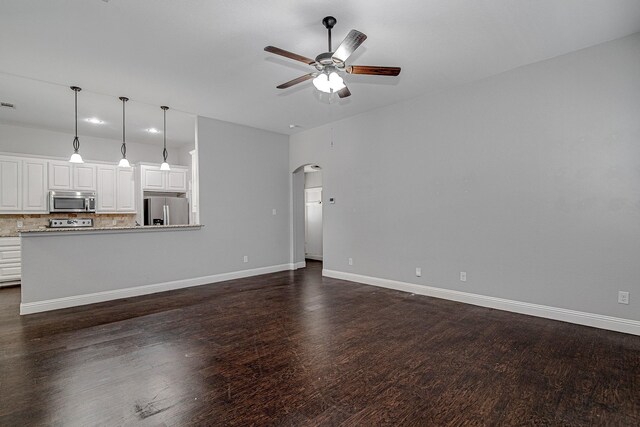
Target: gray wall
{"type": "Point", "coordinates": [529, 181]}
{"type": "Point", "coordinates": [243, 174]}
{"type": "Point", "coordinates": [43, 142]}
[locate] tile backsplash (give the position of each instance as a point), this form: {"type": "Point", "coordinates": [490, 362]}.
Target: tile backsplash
{"type": "Point", "coordinates": [9, 223]}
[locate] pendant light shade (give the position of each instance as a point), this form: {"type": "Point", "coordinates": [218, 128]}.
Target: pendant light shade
{"type": "Point", "coordinates": [76, 157]}
{"type": "Point", "coordinates": [124, 163]}
{"type": "Point", "coordinates": [165, 166]}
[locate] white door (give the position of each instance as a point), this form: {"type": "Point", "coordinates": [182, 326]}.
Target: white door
{"type": "Point", "coordinates": [10, 184]}
{"type": "Point", "coordinates": [60, 175]}
{"type": "Point", "coordinates": [84, 177]}
{"type": "Point", "coordinates": [313, 223]}
{"type": "Point", "coordinates": [106, 192]}
{"type": "Point", "coordinates": [34, 185]}
{"type": "Point", "coordinates": [125, 201]}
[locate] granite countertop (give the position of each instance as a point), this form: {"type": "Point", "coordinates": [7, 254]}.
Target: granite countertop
{"type": "Point", "coordinates": [108, 229]}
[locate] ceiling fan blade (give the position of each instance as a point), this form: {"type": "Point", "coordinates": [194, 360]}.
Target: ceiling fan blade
{"type": "Point", "coordinates": [344, 92]}
{"type": "Point", "coordinates": [349, 45]}
{"type": "Point", "coordinates": [373, 70]}
{"type": "Point", "coordinates": [296, 81]}
{"type": "Point", "coordinates": [290, 55]}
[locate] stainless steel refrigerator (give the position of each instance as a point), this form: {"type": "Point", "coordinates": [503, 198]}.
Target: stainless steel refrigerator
{"type": "Point", "coordinates": [160, 210]}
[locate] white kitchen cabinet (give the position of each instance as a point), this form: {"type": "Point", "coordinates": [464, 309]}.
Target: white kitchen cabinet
{"type": "Point", "coordinates": [10, 184]}
{"type": "Point", "coordinates": [153, 179]}
{"type": "Point", "coordinates": [115, 189]}
{"type": "Point", "coordinates": [34, 186]}
{"type": "Point", "coordinates": [125, 190]}
{"type": "Point", "coordinates": [72, 177]}
{"type": "Point", "coordinates": [106, 188]}
{"type": "Point", "coordinates": [10, 259]}
{"type": "Point", "coordinates": [60, 175]}
{"type": "Point", "coordinates": [177, 180]}
{"type": "Point", "coordinates": [84, 177]}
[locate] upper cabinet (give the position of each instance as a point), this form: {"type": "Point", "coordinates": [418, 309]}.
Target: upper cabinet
{"type": "Point", "coordinates": [177, 180]}
{"type": "Point", "coordinates": [60, 175]}
{"type": "Point", "coordinates": [125, 190]}
{"type": "Point", "coordinates": [69, 176]}
{"type": "Point", "coordinates": [84, 177]}
{"type": "Point", "coordinates": [34, 185]}
{"type": "Point", "coordinates": [106, 192]}
{"type": "Point", "coordinates": [23, 185]}
{"type": "Point", "coordinates": [10, 184]}
{"type": "Point", "coordinates": [153, 179]}
{"type": "Point", "coordinates": [115, 189]}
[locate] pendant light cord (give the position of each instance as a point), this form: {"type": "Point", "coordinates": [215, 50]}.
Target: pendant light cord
{"type": "Point", "coordinates": [76, 141]}
{"type": "Point", "coordinates": [123, 148]}
{"type": "Point", "coordinates": [165, 153]}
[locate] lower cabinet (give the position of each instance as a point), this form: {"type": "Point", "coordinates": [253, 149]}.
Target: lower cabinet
{"type": "Point", "coordinates": [10, 265]}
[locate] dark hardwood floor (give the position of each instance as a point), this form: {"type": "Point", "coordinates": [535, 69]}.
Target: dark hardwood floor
{"type": "Point", "coordinates": [292, 348]}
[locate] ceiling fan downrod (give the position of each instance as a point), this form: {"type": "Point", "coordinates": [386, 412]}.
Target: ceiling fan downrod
{"type": "Point", "coordinates": [329, 22]}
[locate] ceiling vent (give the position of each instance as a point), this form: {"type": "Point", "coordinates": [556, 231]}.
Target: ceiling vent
{"type": "Point", "coordinates": [7, 105]}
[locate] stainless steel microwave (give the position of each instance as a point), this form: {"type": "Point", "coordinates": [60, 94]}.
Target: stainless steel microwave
{"type": "Point", "coordinates": [72, 201]}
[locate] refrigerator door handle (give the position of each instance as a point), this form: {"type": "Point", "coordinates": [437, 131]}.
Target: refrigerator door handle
{"type": "Point", "coordinates": [167, 219]}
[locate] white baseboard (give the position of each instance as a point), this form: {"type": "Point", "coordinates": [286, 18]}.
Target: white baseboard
{"type": "Point", "coordinates": [76, 300]}
{"type": "Point", "coordinates": [298, 265]}
{"type": "Point", "coordinates": [579, 317]}
{"type": "Point", "coordinates": [314, 257]}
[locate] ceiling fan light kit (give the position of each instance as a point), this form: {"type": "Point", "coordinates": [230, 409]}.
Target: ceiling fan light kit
{"type": "Point", "coordinates": [329, 81]}
{"type": "Point", "coordinates": [329, 65]}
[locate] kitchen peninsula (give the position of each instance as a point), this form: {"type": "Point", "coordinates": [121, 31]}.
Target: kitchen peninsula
{"type": "Point", "coordinates": [53, 259]}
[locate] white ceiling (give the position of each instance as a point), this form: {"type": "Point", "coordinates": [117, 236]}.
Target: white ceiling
{"type": "Point", "coordinates": [51, 106]}
{"type": "Point", "coordinates": [206, 56]}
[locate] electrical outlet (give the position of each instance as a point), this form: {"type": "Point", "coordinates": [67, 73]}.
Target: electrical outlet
{"type": "Point", "coordinates": [350, 261]}
{"type": "Point", "coordinates": [623, 297]}
{"type": "Point", "coordinates": [273, 212]}
{"type": "Point", "coordinates": [245, 259]}
{"type": "Point", "coordinates": [114, 222]}
{"type": "Point", "coordinates": [463, 276]}
{"type": "Point", "coordinates": [19, 224]}
{"type": "Point", "coordinates": [418, 272]}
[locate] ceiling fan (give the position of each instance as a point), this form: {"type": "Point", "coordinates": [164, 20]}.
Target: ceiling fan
{"type": "Point", "coordinates": [330, 64]}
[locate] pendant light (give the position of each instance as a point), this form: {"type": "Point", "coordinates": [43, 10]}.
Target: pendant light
{"type": "Point", "coordinates": [76, 157]}
{"type": "Point", "coordinates": [165, 166]}
{"type": "Point", "coordinates": [124, 163]}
